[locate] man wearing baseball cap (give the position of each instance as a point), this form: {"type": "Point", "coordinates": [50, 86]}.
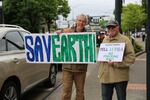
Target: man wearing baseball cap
{"type": "Point", "coordinates": [115, 75]}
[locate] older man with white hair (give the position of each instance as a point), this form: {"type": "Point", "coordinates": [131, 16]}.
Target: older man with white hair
{"type": "Point", "coordinates": [74, 73]}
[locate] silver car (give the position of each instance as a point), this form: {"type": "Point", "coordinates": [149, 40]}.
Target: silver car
{"type": "Point", "coordinates": [16, 75]}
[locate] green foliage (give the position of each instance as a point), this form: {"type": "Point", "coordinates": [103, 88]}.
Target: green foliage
{"type": "Point", "coordinates": [137, 47]}
{"type": "Point", "coordinates": [24, 13]}
{"type": "Point", "coordinates": [50, 9]}
{"type": "Point", "coordinates": [31, 13]}
{"type": "Point", "coordinates": [133, 17]}
{"type": "Point", "coordinates": [64, 8]}
{"type": "Point", "coordinates": [103, 23]}
{"type": "Point", "coordinates": [144, 5]}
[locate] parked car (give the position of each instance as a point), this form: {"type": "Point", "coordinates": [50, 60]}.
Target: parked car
{"type": "Point", "coordinates": [16, 75]}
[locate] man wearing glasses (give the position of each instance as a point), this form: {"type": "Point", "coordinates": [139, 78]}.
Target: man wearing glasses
{"type": "Point", "coordinates": [116, 74]}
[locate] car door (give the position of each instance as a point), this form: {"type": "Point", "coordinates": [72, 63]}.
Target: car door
{"type": "Point", "coordinates": [38, 71]}
{"type": "Point", "coordinates": [29, 74]}
{"type": "Point", "coordinates": [15, 50]}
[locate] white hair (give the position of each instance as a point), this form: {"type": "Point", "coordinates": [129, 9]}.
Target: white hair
{"type": "Point", "coordinates": [84, 16]}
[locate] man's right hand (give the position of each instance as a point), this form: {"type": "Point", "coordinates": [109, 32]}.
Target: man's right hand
{"type": "Point", "coordinates": [58, 32]}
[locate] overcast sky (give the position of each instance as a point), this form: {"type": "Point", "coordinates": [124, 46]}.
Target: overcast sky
{"type": "Point", "coordinates": [94, 7]}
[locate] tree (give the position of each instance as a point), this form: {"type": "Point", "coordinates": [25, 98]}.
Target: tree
{"type": "Point", "coordinates": [103, 23]}
{"type": "Point", "coordinates": [145, 7]}
{"type": "Point", "coordinates": [133, 17]}
{"type": "Point", "coordinates": [144, 4]}
{"type": "Point", "coordinates": [25, 13]}
{"type": "Point", "coordinates": [64, 8]}
{"type": "Point", "coordinates": [50, 10]}
{"type": "Point", "coordinates": [31, 13]}
{"type": "Point", "coordinates": [11, 9]}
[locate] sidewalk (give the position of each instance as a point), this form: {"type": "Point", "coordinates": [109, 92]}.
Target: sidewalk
{"type": "Point", "coordinates": [136, 88]}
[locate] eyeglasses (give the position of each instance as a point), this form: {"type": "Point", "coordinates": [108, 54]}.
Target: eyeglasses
{"type": "Point", "coordinates": [111, 27]}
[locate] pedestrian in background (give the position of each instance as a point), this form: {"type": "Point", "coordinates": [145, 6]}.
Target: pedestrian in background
{"type": "Point", "coordinates": [116, 74]}
{"type": "Point", "coordinates": [143, 36]}
{"type": "Point", "coordinates": [74, 73]}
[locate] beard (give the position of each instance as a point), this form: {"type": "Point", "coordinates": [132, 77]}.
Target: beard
{"type": "Point", "coordinates": [111, 35]}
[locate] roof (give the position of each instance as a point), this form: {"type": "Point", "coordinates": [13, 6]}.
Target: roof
{"type": "Point", "coordinates": [4, 30]}
{"type": "Point", "coordinates": [9, 25]}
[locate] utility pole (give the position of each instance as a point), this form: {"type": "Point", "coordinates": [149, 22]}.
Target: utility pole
{"type": "Point", "coordinates": [148, 50]}
{"type": "Point", "coordinates": [1, 12]}
{"type": "Point", "coordinates": [118, 11]}
{"type": "Point", "coordinates": [1, 15]}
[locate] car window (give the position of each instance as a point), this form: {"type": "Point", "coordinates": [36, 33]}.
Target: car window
{"type": "Point", "coordinates": [2, 45]}
{"type": "Point", "coordinates": [14, 41]}
{"type": "Point", "coordinates": [23, 33]}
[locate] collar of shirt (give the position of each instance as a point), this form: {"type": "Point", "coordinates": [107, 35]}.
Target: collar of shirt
{"type": "Point", "coordinates": [74, 28]}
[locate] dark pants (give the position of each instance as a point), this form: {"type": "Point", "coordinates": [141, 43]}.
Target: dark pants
{"type": "Point", "coordinates": [120, 87]}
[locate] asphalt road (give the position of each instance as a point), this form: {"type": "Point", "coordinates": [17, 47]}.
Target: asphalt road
{"type": "Point", "coordinates": [40, 92]}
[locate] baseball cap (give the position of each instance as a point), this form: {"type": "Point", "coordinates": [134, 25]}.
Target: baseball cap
{"type": "Point", "coordinates": [112, 23]}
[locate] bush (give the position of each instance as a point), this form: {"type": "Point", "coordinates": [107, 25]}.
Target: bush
{"type": "Point", "coordinates": [137, 47]}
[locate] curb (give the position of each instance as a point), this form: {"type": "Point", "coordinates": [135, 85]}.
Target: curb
{"type": "Point", "coordinates": [139, 53]}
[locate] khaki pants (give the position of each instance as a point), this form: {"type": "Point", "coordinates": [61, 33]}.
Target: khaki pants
{"type": "Point", "coordinates": [79, 79]}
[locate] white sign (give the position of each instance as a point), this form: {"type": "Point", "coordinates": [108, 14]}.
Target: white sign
{"type": "Point", "coordinates": [62, 24]}
{"type": "Point", "coordinates": [111, 52]}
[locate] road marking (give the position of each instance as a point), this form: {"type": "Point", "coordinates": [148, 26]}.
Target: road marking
{"type": "Point", "coordinates": [135, 86]}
